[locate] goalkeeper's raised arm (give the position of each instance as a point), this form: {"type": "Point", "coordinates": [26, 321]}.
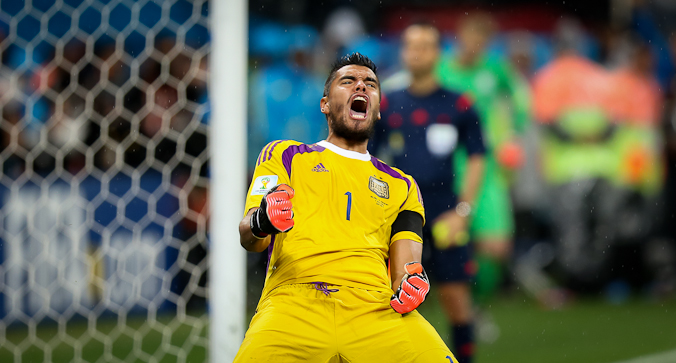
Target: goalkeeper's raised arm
{"type": "Point", "coordinates": [275, 215]}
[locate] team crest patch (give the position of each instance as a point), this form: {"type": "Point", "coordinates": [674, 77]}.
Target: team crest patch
{"type": "Point", "coordinates": [379, 187]}
{"type": "Point", "coordinates": [263, 184]}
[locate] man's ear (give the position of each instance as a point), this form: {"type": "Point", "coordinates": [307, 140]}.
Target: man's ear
{"type": "Point", "coordinates": [378, 115]}
{"type": "Point", "coordinates": [324, 105]}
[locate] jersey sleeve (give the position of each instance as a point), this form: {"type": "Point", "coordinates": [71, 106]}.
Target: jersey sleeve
{"type": "Point", "coordinates": [469, 129]}
{"type": "Point", "coordinates": [269, 171]}
{"type": "Point", "coordinates": [414, 203]}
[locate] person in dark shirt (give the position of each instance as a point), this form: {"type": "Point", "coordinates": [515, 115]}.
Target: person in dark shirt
{"type": "Point", "coordinates": [421, 126]}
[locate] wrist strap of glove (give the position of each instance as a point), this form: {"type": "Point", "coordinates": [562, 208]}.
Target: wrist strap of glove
{"type": "Point", "coordinates": [255, 224]}
{"type": "Point", "coordinates": [261, 226]}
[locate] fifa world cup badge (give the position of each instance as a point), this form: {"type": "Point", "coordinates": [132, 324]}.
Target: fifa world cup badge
{"type": "Point", "coordinates": [263, 184]}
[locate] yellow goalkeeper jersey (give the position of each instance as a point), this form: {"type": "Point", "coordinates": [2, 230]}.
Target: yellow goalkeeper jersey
{"type": "Point", "coordinates": [344, 205]}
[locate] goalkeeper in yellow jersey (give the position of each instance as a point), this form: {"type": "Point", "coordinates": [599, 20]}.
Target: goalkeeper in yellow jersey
{"type": "Point", "coordinates": [334, 220]}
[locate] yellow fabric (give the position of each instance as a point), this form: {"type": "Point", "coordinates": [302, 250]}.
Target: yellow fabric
{"type": "Point", "coordinates": [406, 235]}
{"type": "Point", "coordinates": [297, 323]}
{"type": "Point", "coordinates": [324, 245]}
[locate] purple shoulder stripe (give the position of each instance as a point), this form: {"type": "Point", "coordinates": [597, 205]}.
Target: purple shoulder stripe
{"type": "Point", "coordinates": [265, 152]}
{"type": "Point", "coordinates": [420, 198]}
{"type": "Point", "coordinates": [272, 148]}
{"type": "Point", "coordinates": [293, 150]}
{"type": "Point", "coordinates": [261, 156]}
{"type": "Point", "coordinates": [389, 171]}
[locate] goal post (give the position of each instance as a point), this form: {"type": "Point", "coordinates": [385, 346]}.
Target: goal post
{"type": "Point", "coordinates": [228, 86]}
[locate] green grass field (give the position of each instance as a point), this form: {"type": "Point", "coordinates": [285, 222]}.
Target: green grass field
{"type": "Point", "coordinates": [588, 331]}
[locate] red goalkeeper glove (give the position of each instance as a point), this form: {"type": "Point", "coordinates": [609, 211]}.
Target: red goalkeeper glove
{"type": "Point", "coordinates": [275, 214]}
{"type": "Point", "coordinates": [413, 289]}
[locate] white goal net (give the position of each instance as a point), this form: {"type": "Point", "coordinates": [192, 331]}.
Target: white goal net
{"type": "Point", "coordinates": [104, 180]}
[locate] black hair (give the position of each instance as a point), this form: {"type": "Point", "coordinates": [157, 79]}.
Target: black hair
{"type": "Point", "coordinates": [355, 58]}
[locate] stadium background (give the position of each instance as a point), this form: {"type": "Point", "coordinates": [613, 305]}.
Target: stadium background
{"type": "Point", "coordinates": [105, 171]}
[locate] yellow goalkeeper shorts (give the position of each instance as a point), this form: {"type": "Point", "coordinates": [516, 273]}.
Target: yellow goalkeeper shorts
{"type": "Point", "coordinates": [299, 323]}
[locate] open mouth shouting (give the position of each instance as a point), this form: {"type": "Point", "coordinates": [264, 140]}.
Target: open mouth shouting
{"type": "Point", "coordinates": [359, 106]}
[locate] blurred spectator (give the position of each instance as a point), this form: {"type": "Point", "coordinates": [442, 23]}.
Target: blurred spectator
{"type": "Point", "coordinates": [283, 101]}
{"type": "Point", "coordinates": [341, 29]}
{"type": "Point", "coordinates": [572, 100]}
{"type": "Point", "coordinates": [502, 99]}
{"type": "Point", "coordinates": [584, 150]}
{"type": "Point", "coordinates": [639, 106]}
{"type": "Point", "coordinates": [528, 193]}
{"type": "Point", "coordinates": [640, 97]}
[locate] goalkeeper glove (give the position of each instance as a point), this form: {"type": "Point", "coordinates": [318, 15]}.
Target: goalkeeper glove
{"type": "Point", "coordinates": [275, 214]}
{"type": "Point", "coordinates": [413, 289]}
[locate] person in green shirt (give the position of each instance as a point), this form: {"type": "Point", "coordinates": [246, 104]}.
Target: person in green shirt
{"type": "Point", "coordinates": [502, 98]}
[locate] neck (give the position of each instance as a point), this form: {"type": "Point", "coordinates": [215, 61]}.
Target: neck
{"type": "Point", "coordinates": [423, 84]}
{"type": "Point", "coordinates": [360, 147]}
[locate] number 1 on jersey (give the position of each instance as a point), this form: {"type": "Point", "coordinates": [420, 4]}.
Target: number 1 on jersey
{"type": "Point", "coordinates": [349, 204]}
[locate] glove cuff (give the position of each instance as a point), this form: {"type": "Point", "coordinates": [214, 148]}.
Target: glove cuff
{"type": "Point", "coordinates": [255, 225]}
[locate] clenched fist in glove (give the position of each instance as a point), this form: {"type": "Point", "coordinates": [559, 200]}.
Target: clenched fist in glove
{"type": "Point", "coordinates": [275, 214]}
{"type": "Point", "coordinates": [413, 289]}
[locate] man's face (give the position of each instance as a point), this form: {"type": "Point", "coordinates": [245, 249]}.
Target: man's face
{"type": "Point", "coordinates": [420, 49]}
{"type": "Point", "coordinates": [353, 103]}
{"type": "Point", "coordinates": [473, 40]}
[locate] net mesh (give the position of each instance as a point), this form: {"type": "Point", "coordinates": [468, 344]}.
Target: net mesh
{"type": "Point", "coordinates": [103, 145]}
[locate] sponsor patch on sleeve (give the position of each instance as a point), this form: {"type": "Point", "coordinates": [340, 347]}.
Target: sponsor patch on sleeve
{"type": "Point", "coordinates": [263, 184]}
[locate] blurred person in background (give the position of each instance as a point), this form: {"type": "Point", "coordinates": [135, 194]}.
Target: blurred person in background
{"type": "Point", "coordinates": [421, 126]}
{"type": "Point", "coordinates": [532, 248]}
{"type": "Point", "coordinates": [640, 169]}
{"type": "Point", "coordinates": [528, 193]}
{"type": "Point", "coordinates": [285, 89]}
{"type": "Point", "coordinates": [502, 99]}
{"type": "Point", "coordinates": [574, 104]}
{"type": "Point", "coordinates": [639, 102]}
{"type": "Point", "coordinates": [343, 27]}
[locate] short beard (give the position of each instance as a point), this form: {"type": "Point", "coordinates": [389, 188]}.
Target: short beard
{"type": "Point", "coordinates": [338, 125]}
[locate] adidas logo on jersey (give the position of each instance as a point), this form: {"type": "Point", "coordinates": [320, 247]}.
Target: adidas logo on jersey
{"type": "Point", "coordinates": [320, 168]}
